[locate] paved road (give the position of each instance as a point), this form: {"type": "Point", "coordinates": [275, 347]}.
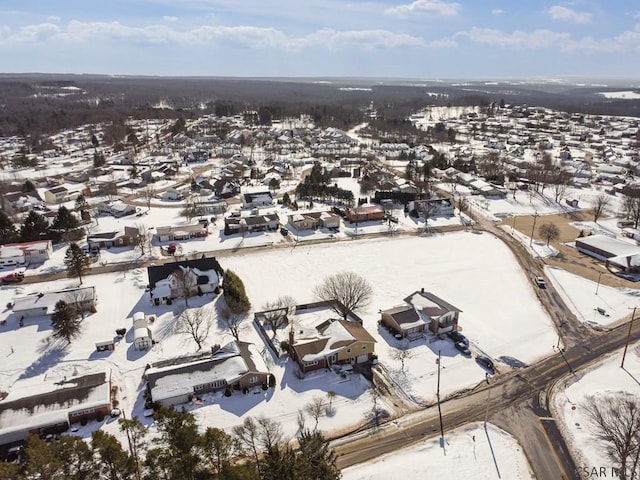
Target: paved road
{"type": "Point", "coordinates": [510, 393]}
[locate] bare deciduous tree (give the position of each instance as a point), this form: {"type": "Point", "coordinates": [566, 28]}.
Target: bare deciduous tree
{"type": "Point", "coordinates": [81, 300]}
{"type": "Point", "coordinates": [276, 313]}
{"type": "Point", "coordinates": [330, 395]}
{"type": "Point", "coordinates": [351, 291]}
{"type": "Point", "coordinates": [402, 353]}
{"type": "Point", "coordinates": [615, 418]}
{"type": "Point", "coordinates": [233, 322]}
{"type": "Point", "coordinates": [148, 193]}
{"type": "Point", "coordinates": [600, 205]}
{"type": "Point", "coordinates": [631, 206]}
{"type": "Point", "coordinates": [142, 241]}
{"type": "Point", "coordinates": [315, 409]}
{"type": "Point", "coordinates": [549, 231]}
{"type": "Point", "coordinates": [196, 323]}
{"type": "Point", "coordinates": [183, 283]}
{"type": "Point", "coordinates": [247, 434]}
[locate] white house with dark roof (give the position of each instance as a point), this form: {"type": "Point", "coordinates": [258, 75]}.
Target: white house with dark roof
{"type": "Point", "coordinates": [25, 253]}
{"type": "Point", "coordinates": [257, 199]}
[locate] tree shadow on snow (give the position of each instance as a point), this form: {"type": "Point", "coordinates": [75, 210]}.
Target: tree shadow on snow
{"type": "Point", "coordinates": [52, 354]}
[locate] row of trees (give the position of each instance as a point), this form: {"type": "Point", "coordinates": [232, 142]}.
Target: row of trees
{"type": "Point", "coordinates": [65, 226]}
{"type": "Point", "coordinates": [255, 450]}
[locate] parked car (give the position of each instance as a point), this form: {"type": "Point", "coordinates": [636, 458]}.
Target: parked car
{"type": "Point", "coordinates": [486, 363]}
{"type": "Point", "coordinates": [458, 337]}
{"type": "Point", "coordinates": [540, 282]}
{"type": "Point", "coordinates": [12, 278]}
{"type": "Point", "coordinates": [463, 348]}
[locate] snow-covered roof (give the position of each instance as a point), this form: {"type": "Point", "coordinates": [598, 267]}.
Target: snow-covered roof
{"type": "Point", "coordinates": [47, 300]}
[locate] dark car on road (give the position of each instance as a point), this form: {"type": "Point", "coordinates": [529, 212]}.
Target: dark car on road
{"type": "Point", "coordinates": [458, 337]}
{"type": "Point", "coordinates": [463, 348]}
{"type": "Point", "coordinates": [486, 363]}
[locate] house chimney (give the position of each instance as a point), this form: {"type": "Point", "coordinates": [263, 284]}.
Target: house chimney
{"type": "Point", "coordinates": [422, 290]}
{"type": "Point", "coordinates": [292, 337]}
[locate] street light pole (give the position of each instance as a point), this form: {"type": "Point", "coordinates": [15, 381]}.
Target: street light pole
{"type": "Point", "coordinates": [533, 228]}
{"type": "Point", "coordinates": [598, 285]}
{"type": "Point", "coordinates": [626, 345]}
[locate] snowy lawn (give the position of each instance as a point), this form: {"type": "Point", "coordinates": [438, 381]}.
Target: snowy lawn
{"type": "Point", "coordinates": [471, 452]}
{"type": "Point", "coordinates": [605, 378]}
{"type": "Point", "coordinates": [476, 273]}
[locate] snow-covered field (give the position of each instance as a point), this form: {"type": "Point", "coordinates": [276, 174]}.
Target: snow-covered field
{"type": "Point", "coordinates": [471, 453]}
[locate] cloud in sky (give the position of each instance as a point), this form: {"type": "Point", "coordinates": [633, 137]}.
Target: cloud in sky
{"type": "Point", "coordinates": [406, 37]}
{"type": "Point", "coordinates": [213, 35]}
{"type": "Point", "coordinates": [558, 12]}
{"type": "Point", "coordinates": [432, 7]}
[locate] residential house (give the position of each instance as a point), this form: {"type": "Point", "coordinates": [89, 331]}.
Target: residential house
{"type": "Point", "coordinates": [317, 340]}
{"type": "Point", "coordinates": [199, 276]}
{"type": "Point", "coordinates": [442, 316]}
{"type": "Point", "coordinates": [257, 199]}
{"type": "Point", "coordinates": [44, 303]}
{"type": "Point", "coordinates": [405, 320]}
{"type": "Point", "coordinates": [117, 208]}
{"type": "Point", "coordinates": [365, 213]}
{"type": "Point", "coordinates": [251, 223]}
{"type": "Point", "coordinates": [182, 232]}
{"type": "Point", "coordinates": [118, 238]}
{"type": "Point", "coordinates": [56, 194]}
{"type": "Point", "coordinates": [235, 366]}
{"type": "Point", "coordinates": [433, 207]}
{"type": "Point", "coordinates": [313, 220]}
{"type": "Point", "coordinates": [25, 253]}
{"type": "Point", "coordinates": [42, 406]}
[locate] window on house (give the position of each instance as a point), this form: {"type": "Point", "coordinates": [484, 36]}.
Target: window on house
{"type": "Point", "coordinates": [311, 362]}
{"type": "Point", "coordinates": [253, 379]}
{"type": "Point", "coordinates": [364, 347]}
{"type": "Point", "coordinates": [348, 350]}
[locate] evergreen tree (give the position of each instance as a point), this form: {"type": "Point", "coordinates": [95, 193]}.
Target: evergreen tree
{"type": "Point", "coordinates": [40, 461]}
{"type": "Point", "coordinates": [179, 436]}
{"type": "Point", "coordinates": [220, 450]}
{"type": "Point", "coordinates": [113, 463]}
{"type": "Point", "coordinates": [81, 203]}
{"type": "Point", "coordinates": [28, 186]}
{"type": "Point", "coordinates": [35, 227]}
{"type": "Point", "coordinates": [65, 322]}
{"type": "Point", "coordinates": [234, 293]}
{"type": "Point", "coordinates": [316, 460]}
{"type": "Point", "coordinates": [8, 232]}
{"type": "Point", "coordinates": [9, 471]}
{"type": "Point", "coordinates": [76, 261]}
{"type": "Point", "coordinates": [286, 200]}
{"type": "Point", "coordinates": [76, 456]}
{"type": "Point", "coordinates": [65, 220]}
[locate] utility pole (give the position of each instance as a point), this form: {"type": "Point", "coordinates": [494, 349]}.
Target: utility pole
{"type": "Point", "coordinates": [438, 399]}
{"type": "Point", "coordinates": [626, 344]}
{"type": "Point", "coordinates": [533, 228]}
{"type": "Point", "coordinates": [598, 285]}
{"type": "Point", "coordinates": [486, 413]}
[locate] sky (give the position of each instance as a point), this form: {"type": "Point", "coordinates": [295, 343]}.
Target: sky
{"type": "Point", "coordinates": [423, 39]}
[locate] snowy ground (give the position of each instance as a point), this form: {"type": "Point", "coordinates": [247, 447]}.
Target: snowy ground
{"type": "Point", "coordinates": [603, 379]}
{"type": "Point", "coordinates": [471, 453]}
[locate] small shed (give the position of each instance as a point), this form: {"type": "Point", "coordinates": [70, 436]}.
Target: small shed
{"type": "Point", "coordinates": [106, 345]}
{"type": "Point", "coordinates": [141, 333]}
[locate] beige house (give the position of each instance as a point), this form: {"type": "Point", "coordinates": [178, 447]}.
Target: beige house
{"type": "Point", "coordinates": [334, 341]}
{"type": "Point", "coordinates": [442, 316]}
{"type": "Point", "coordinates": [313, 220]}
{"type": "Point", "coordinates": [405, 320]}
